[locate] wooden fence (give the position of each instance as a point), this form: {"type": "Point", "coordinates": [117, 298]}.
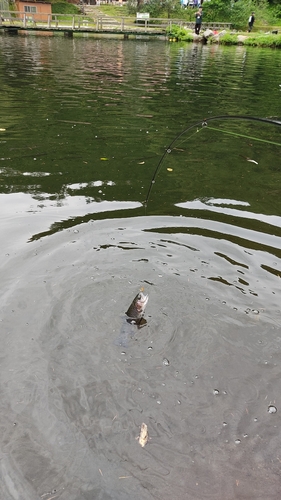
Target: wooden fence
{"type": "Point", "coordinates": [100, 24]}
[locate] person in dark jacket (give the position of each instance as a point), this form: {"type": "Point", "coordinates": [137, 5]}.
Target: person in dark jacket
{"type": "Point", "coordinates": [198, 21]}
{"type": "Point", "coordinates": [251, 21]}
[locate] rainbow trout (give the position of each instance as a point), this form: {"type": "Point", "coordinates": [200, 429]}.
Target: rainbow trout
{"type": "Point", "coordinates": [134, 319]}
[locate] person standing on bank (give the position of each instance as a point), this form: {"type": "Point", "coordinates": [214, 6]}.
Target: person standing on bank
{"type": "Point", "coordinates": [198, 20]}
{"type": "Point", "coordinates": [251, 21]}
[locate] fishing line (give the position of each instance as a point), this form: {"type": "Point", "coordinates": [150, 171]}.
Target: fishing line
{"type": "Point", "coordinates": [245, 136]}
{"type": "Point", "coordinates": [189, 137]}
{"type": "Point", "coordinates": [202, 124]}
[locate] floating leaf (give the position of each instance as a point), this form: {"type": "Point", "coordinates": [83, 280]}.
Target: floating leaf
{"type": "Point", "coordinates": [141, 163]}
{"type": "Point", "coordinates": [104, 159]}
{"type": "Point", "coordinates": [2, 129]}
{"type": "Point", "coordinates": [170, 169]}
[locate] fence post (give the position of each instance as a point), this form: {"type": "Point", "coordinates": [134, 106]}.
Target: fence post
{"type": "Point", "coordinates": [49, 20]}
{"type": "Point", "coordinates": [24, 20]}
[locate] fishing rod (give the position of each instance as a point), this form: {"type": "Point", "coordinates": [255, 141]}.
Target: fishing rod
{"type": "Point", "coordinates": [202, 124]}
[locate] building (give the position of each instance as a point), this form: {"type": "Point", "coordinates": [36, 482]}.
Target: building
{"type": "Point", "coordinates": [36, 10]}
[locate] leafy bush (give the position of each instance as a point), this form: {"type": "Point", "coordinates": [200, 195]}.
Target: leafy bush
{"type": "Point", "coordinates": [131, 6]}
{"type": "Point", "coordinates": [217, 10]}
{"type": "Point", "coordinates": [277, 11]}
{"type": "Point", "coordinates": [228, 39]}
{"type": "Point", "coordinates": [179, 33]}
{"type": "Point", "coordinates": [162, 8]}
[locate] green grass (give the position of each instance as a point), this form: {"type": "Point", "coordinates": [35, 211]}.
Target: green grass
{"type": "Point", "coordinates": [114, 11]}
{"type": "Point", "coordinates": [65, 8]}
{"type": "Point", "coordinates": [262, 40]}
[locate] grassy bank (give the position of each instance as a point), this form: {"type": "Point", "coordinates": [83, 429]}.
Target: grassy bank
{"type": "Point", "coordinates": [62, 7]}
{"type": "Point", "coordinates": [229, 38]}
{"type": "Point", "coordinates": [255, 40]}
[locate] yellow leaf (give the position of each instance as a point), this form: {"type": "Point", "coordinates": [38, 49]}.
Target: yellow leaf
{"type": "Point", "coordinates": [170, 169]}
{"type": "Point", "coordinates": [104, 159]}
{"type": "Point", "coordinates": [2, 129]}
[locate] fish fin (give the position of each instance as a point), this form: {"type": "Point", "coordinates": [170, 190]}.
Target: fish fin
{"type": "Point", "coordinates": [141, 322]}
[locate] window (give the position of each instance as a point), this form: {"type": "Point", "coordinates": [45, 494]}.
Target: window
{"type": "Point", "coordinates": [28, 8]}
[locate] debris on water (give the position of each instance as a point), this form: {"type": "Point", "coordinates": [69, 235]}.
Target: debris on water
{"type": "Point", "coordinates": [216, 392]}
{"type": "Point", "coordinates": [272, 409]}
{"type": "Point", "coordinates": [170, 169]}
{"type": "Point", "coordinates": [145, 281]}
{"type": "Point", "coordinates": [166, 362]}
{"type": "Point", "coordinates": [143, 437]}
{"type": "Point", "coordinates": [253, 311]}
{"type": "Point", "coordinates": [252, 161]}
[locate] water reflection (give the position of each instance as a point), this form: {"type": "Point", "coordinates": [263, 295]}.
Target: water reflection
{"type": "Point", "coordinates": [216, 206]}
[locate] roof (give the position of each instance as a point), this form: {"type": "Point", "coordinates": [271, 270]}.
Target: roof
{"type": "Point", "coordinates": [33, 1]}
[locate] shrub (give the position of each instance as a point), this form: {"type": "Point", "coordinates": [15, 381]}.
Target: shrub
{"type": "Point", "coordinates": [228, 39]}
{"type": "Point", "coordinates": [179, 33]}
{"type": "Point", "coordinates": [217, 10]}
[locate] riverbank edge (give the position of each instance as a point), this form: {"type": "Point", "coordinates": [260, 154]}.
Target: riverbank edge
{"type": "Point", "coordinates": [262, 40]}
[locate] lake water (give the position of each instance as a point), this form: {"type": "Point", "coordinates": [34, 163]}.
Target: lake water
{"type": "Point", "coordinates": [117, 175]}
